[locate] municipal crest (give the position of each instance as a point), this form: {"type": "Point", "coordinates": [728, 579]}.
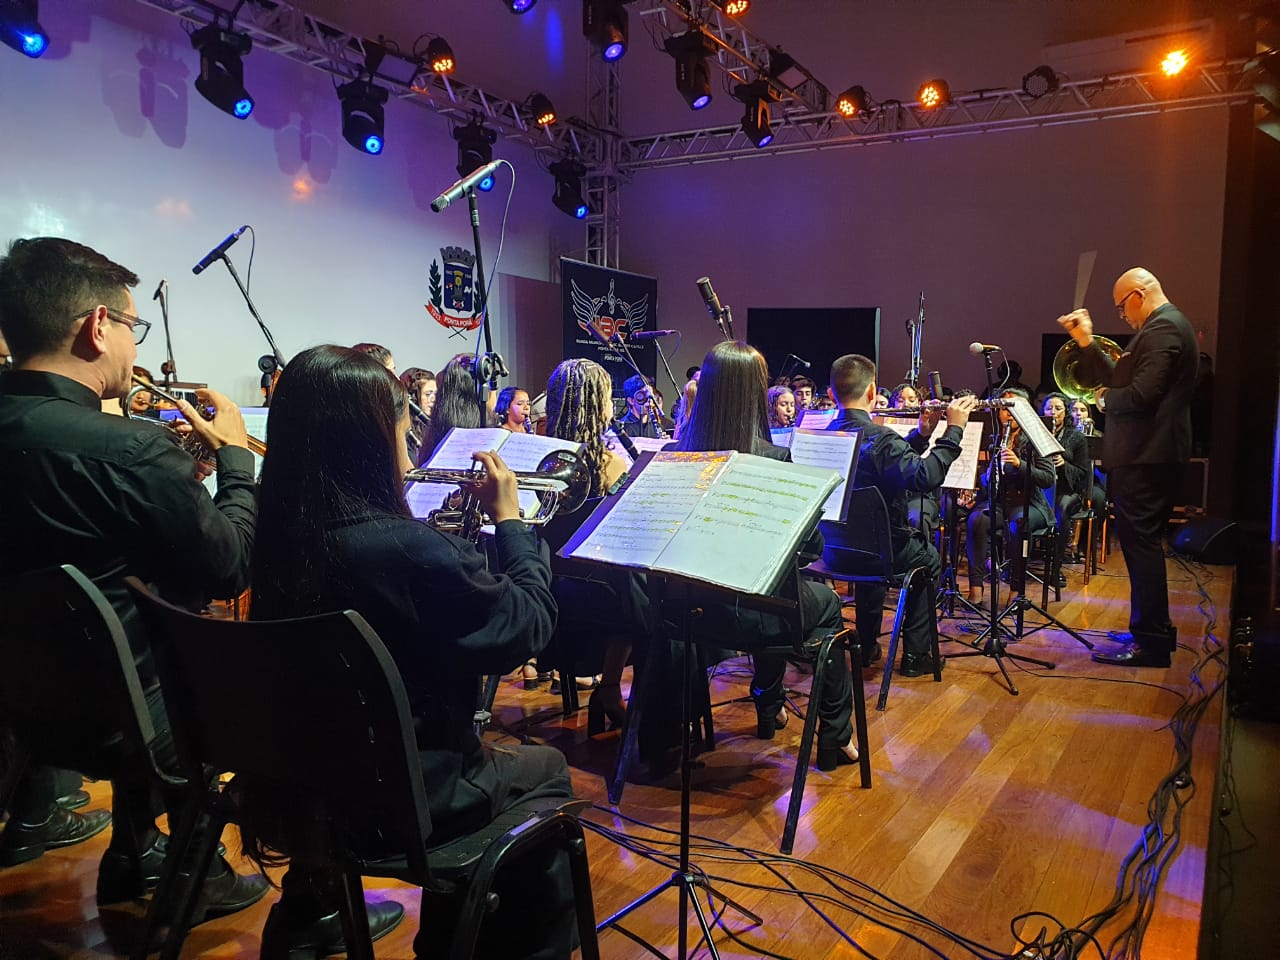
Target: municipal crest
{"type": "Point", "coordinates": [452, 290]}
{"type": "Point", "coordinates": [608, 314]}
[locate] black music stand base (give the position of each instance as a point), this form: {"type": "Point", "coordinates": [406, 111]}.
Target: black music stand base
{"type": "Point", "coordinates": [991, 642]}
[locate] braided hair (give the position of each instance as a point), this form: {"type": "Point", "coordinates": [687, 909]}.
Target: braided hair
{"type": "Point", "coordinates": [579, 408]}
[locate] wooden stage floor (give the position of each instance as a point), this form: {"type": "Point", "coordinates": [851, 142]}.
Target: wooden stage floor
{"type": "Point", "coordinates": [984, 807]}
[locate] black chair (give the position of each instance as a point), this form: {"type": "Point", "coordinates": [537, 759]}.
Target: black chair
{"type": "Point", "coordinates": [325, 719]}
{"type": "Point", "coordinates": [863, 543]}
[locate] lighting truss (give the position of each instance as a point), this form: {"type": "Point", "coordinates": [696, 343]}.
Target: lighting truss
{"type": "Point", "coordinates": [289, 32]}
{"type": "Point", "coordinates": [1129, 95]}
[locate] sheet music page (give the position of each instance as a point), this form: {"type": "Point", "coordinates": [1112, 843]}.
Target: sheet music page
{"type": "Point", "coordinates": [749, 521]}
{"type": "Point", "coordinates": [832, 450]}
{"type": "Point", "coordinates": [654, 506]}
{"type": "Point", "coordinates": [425, 497]}
{"type": "Point", "coordinates": [963, 472]}
{"type": "Point", "coordinates": [1042, 439]}
{"type": "Point", "coordinates": [900, 425]}
{"type": "Point", "coordinates": [255, 424]}
{"type": "Point", "coordinates": [454, 452]}
{"type": "Point", "coordinates": [780, 436]}
{"type": "Point", "coordinates": [815, 419]}
{"type": "Point", "coordinates": [643, 444]}
{"type": "Point", "coordinates": [523, 452]}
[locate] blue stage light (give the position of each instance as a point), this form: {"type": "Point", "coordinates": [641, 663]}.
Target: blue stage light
{"type": "Point", "coordinates": [20, 27]}
{"type": "Point", "coordinates": [362, 115]}
{"type": "Point", "coordinates": [581, 211]}
{"type": "Point", "coordinates": [244, 107]}
{"type": "Point", "coordinates": [614, 50]}
{"type": "Point", "coordinates": [34, 44]}
{"type": "Point", "coordinates": [702, 101]}
{"type": "Point", "coordinates": [486, 184]}
{"type": "Point", "coordinates": [373, 143]}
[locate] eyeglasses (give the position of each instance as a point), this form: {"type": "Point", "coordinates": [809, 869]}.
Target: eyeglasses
{"type": "Point", "coordinates": [1120, 305]}
{"type": "Point", "coordinates": [136, 324]}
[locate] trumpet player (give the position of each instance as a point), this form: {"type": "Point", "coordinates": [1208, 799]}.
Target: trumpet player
{"type": "Point", "coordinates": [1146, 395]}
{"type": "Point", "coordinates": [116, 498]}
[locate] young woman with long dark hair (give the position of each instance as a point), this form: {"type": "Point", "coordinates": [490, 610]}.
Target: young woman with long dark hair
{"type": "Point", "coordinates": [455, 403]}
{"type": "Point", "coordinates": [334, 532]}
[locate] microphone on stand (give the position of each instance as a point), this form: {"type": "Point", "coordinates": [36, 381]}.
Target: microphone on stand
{"type": "Point", "coordinates": [800, 361]}
{"type": "Point", "coordinates": [935, 384]}
{"type": "Point", "coordinates": [977, 349]}
{"type": "Point", "coordinates": [712, 301]}
{"type": "Point", "coordinates": [218, 251]}
{"type": "Point", "coordinates": [460, 187]}
{"type": "Point", "coordinates": [644, 335]}
{"type": "Point", "coordinates": [160, 290]}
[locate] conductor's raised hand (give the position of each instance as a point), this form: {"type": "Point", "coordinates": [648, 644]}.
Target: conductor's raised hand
{"type": "Point", "coordinates": [1079, 325]}
{"type": "Point", "coordinates": [497, 492]}
{"type": "Point", "coordinates": [226, 429]}
{"type": "Point", "coordinates": [959, 409]}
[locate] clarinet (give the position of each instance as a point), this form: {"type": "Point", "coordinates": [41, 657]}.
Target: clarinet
{"type": "Point", "coordinates": [624, 438]}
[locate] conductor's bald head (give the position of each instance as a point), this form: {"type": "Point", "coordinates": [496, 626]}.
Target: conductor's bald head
{"type": "Point", "coordinates": [1136, 294]}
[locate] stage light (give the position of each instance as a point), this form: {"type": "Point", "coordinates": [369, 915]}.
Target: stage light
{"type": "Point", "coordinates": [755, 121]}
{"type": "Point", "coordinates": [544, 114]}
{"type": "Point", "coordinates": [852, 102]}
{"type": "Point", "coordinates": [734, 8]}
{"type": "Point", "coordinates": [221, 79]}
{"type": "Point", "coordinates": [1174, 62]}
{"type": "Point", "coordinates": [934, 93]}
{"type": "Point", "coordinates": [440, 56]}
{"type": "Point", "coordinates": [690, 51]}
{"type": "Point", "coordinates": [604, 23]}
{"type": "Point", "coordinates": [20, 27]}
{"type": "Point", "coordinates": [1040, 82]}
{"type": "Point", "coordinates": [519, 6]}
{"type": "Point", "coordinates": [362, 115]}
{"type": "Point", "coordinates": [568, 191]}
{"type": "Point", "coordinates": [475, 149]}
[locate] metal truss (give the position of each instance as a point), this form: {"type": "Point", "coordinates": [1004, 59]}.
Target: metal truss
{"type": "Point", "coordinates": [985, 111]}
{"type": "Point", "coordinates": [280, 28]}
{"type": "Point", "coordinates": [603, 182]}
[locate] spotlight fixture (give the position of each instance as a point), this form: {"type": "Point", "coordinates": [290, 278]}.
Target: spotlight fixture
{"type": "Point", "coordinates": [1040, 82]}
{"type": "Point", "coordinates": [440, 56]}
{"type": "Point", "coordinates": [475, 149]}
{"type": "Point", "coordinates": [604, 23]}
{"type": "Point", "coordinates": [362, 115]}
{"type": "Point", "coordinates": [221, 79]}
{"type": "Point", "coordinates": [934, 93]}
{"type": "Point", "coordinates": [544, 114]}
{"type": "Point", "coordinates": [519, 6]}
{"type": "Point", "coordinates": [568, 192]}
{"type": "Point", "coordinates": [734, 8]}
{"type": "Point", "coordinates": [690, 51]}
{"type": "Point", "coordinates": [756, 97]}
{"type": "Point", "coordinates": [20, 27]}
{"type": "Point", "coordinates": [1174, 62]}
{"type": "Point", "coordinates": [852, 102]}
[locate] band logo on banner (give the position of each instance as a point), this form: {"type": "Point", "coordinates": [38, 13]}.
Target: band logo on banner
{"type": "Point", "coordinates": [610, 302]}
{"type": "Point", "coordinates": [453, 295]}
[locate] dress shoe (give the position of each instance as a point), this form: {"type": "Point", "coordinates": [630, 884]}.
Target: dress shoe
{"type": "Point", "coordinates": [766, 726]}
{"type": "Point", "coordinates": [1135, 655]}
{"type": "Point", "coordinates": [226, 892]}
{"type": "Point", "coordinates": [287, 938]}
{"type": "Point", "coordinates": [121, 878]}
{"type": "Point", "coordinates": [918, 664]}
{"type": "Point", "coordinates": [831, 757]}
{"type": "Point", "coordinates": [1060, 580]}
{"type": "Point", "coordinates": [24, 842]}
{"type": "Point", "coordinates": [74, 800]}
{"type": "Point", "coordinates": [870, 655]}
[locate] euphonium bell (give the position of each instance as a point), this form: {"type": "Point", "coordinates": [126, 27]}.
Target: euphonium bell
{"type": "Point", "coordinates": [1066, 369]}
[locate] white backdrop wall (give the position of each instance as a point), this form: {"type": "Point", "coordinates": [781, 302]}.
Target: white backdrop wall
{"type": "Point", "coordinates": [107, 142]}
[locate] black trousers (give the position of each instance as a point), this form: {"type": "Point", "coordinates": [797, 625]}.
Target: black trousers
{"type": "Point", "coordinates": [1019, 524]}
{"type": "Point", "coordinates": [915, 551]}
{"type": "Point", "coordinates": [1142, 496]}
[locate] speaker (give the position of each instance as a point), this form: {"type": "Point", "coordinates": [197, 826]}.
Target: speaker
{"type": "Point", "coordinates": [1208, 540]}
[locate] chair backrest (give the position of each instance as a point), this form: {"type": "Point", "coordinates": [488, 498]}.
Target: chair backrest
{"type": "Point", "coordinates": [313, 706]}
{"type": "Point", "coordinates": [68, 683]}
{"type": "Point", "coordinates": [864, 541]}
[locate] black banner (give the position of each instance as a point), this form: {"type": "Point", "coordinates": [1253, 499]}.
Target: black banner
{"type": "Point", "coordinates": [609, 302]}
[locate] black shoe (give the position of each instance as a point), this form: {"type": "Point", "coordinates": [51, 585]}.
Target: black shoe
{"type": "Point", "coordinates": [120, 878]}
{"type": "Point", "coordinates": [22, 842]}
{"type": "Point", "coordinates": [1060, 580]}
{"type": "Point", "coordinates": [918, 664]}
{"type": "Point", "coordinates": [1120, 636]}
{"type": "Point", "coordinates": [767, 725]}
{"type": "Point", "coordinates": [870, 655]}
{"type": "Point", "coordinates": [285, 938]}
{"type": "Point", "coordinates": [74, 800]}
{"type": "Point", "coordinates": [226, 892]}
{"type": "Point", "coordinates": [831, 757]}
{"type": "Point", "coordinates": [1135, 655]}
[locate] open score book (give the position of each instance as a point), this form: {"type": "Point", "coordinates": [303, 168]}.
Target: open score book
{"type": "Point", "coordinates": [722, 517]}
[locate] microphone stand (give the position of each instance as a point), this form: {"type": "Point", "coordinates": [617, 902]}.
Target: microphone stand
{"type": "Point", "coordinates": [168, 369]}
{"type": "Point", "coordinates": [727, 321]}
{"type": "Point", "coordinates": [679, 387]}
{"type": "Point", "coordinates": [271, 342]}
{"type": "Point", "coordinates": [618, 347]}
{"type": "Point", "coordinates": [492, 363]}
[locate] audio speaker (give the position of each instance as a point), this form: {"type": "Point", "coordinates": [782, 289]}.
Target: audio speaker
{"type": "Point", "coordinates": [1208, 540]}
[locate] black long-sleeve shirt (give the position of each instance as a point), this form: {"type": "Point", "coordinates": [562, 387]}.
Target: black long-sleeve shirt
{"type": "Point", "coordinates": [116, 497]}
{"type": "Point", "coordinates": [1075, 476]}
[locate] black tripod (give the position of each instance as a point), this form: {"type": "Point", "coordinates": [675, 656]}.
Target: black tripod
{"type": "Point", "coordinates": [688, 881]}
{"type": "Point", "coordinates": [948, 586]}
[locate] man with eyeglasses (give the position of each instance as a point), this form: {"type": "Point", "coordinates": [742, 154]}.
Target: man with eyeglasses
{"type": "Point", "coordinates": [1146, 395]}
{"type": "Point", "coordinates": [642, 401]}
{"type": "Point", "coordinates": [115, 497]}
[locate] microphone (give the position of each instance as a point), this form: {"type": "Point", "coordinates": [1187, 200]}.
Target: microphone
{"type": "Point", "coordinates": [799, 360]}
{"type": "Point", "coordinates": [710, 299]}
{"type": "Point", "coordinates": [935, 384]}
{"type": "Point", "coordinates": [977, 349]}
{"type": "Point", "coordinates": [460, 187]}
{"type": "Point", "coordinates": [160, 290]}
{"type": "Point", "coordinates": [642, 335]}
{"type": "Point", "coordinates": [218, 251]}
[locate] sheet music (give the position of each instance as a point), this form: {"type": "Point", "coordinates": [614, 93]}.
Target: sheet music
{"type": "Point", "coordinates": [454, 452]}
{"type": "Point", "coordinates": [524, 451]}
{"type": "Point", "coordinates": [816, 419]}
{"type": "Point", "coordinates": [255, 424]}
{"type": "Point", "coordinates": [832, 450]}
{"type": "Point", "coordinates": [780, 436]}
{"type": "Point", "coordinates": [963, 472]}
{"type": "Point", "coordinates": [1042, 439]}
{"type": "Point", "coordinates": [425, 497]}
{"type": "Point", "coordinates": [900, 425]}
{"type": "Point", "coordinates": [642, 444]}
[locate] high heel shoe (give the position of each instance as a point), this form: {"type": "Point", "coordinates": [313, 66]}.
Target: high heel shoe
{"type": "Point", "coordinates": [606, 713]}
{"type": "Point", "coordinates": [831, 757]}
{"type": "Point", "coordinates": [530, 676]}
{"type": "Point", "coordinates": [767, 726]}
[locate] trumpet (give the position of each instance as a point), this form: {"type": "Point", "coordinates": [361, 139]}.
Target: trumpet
{"type": "Point", "coordinates": [1000, 403]}
{"type": "Point", "coordinates": [189, 442]}
{"type": "Point", "coordinates": [561, 483]}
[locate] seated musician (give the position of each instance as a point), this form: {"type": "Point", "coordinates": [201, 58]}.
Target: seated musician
{"type": "Point", "coordinates": [331, 537]}
{"type": "Point", "coordinates": [512, 410]}
{"type": "Point", "coordinates": [904, 395]}
{"type": "Point", "coordinates": [731, 414]}
{"type": "Point", "coordinates": [782, 408]}
{"type": "Point", "coordinates": [644, 417]}
{"type": "Point", "coordinates": [1016, 515]}
{"type": "Point", "coordinates": [421, 387]}
{"type": "Point", "coordinates": [1074, 470]}
{"type": "Point", "coordinates": [924, 508]}
{"type": "Point", "coordinates": [379, 353]}
{"type": "Point", "coordinates": [895, 466]}
{"type": "Point", "coordinates": [456, 404]}
{"type": "Point", "coordinates": [803, 388]}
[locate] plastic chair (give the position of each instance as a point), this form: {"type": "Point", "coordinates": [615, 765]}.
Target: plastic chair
{"type": "Point", "coordinates": [863, 543]}
{"type": "Point", "coordinates": [322, 716]}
